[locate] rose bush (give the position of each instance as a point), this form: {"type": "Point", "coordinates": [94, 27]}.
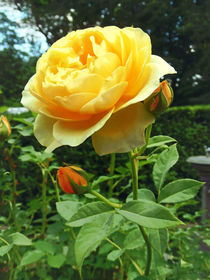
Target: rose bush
{"type": "Point", "coordinates": [92, 83]}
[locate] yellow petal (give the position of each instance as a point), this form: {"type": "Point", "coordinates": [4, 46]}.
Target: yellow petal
{"type": "Point", "coordinates": [148, 81]}
{"type": "Point", "coordinates": [75, 101]}
{"type": "Point", "coordinates": [30, 102]}
{"type": "Point", "coordinates": [43, 131]}
{"type": "Point", "coordinates": [105, 64]}
{"type": "Point", "coordinates": [73, 134]}
{"type": "Point", "coordinates": [123, 131]}
{"type": "Point", "coordinates": [83, 80]}
{"type": "Point", "coordinates": [105, 100]}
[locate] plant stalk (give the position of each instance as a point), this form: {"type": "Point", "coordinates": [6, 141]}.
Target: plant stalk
{"type": "Point", "coordinates": [111, 172]}
{"type": "Point", "coordinates": [104, 199]}
{"type": "Point", "coordinates": [134, 171]}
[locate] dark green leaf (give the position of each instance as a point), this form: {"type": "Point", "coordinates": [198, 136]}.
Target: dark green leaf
{"type": "Point", "coordinates": [89, 212]}
{"type": "Point", "coordinates": [91, 236]}
{"type": "Point", "coordinates": [159, 239]}
{"type": "Point", "coordinates": [67, 208]}
{"type": "Point", "coordinates": [148, 214]}
{"type": "Point", "coordinates": [142, 194]}
{"type": "Point", "coordinates": [165, 161]}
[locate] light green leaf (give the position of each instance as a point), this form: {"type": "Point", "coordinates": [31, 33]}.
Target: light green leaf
{"type": "Point", "coordinates": [20, 239]}
{"type": "Point", "coordinates": [159, 140]}
{"type": "Point", "coordinates": [159, 239]}
{"type": "Point", "coordinates": [31, 257]}
{"type": "Point", "coordinates": [5, 249]}
{"type": "Point", "coordinates": [3, 108]}
{"type": "Point", "coordinates": [207, 242]}
{"type": "Point", "coordinates": [133, 240]}
{"type": "Point", "coordinates": [148, 214]}
{"type": "Point", "coordinates": [165, 161]}
{"type": "Point", "coordinates": [142, 194]}
{"type": "Point", "coordinates": [115, 254]}
{"type": "Point", "coordinates": [89, 212]}
{"type": "Point", "coordinates": [67, 208]}
{"type": "Point", "coordinates": [102, 179]}
{"type": "Point", "coordinates": [91, 236]}
{"type": "Point", "coordinates": [56, 261]}
{"type": "Point", "coordinates": [45, 246]}
{"type": "Point", "coordinates": [179, 190]}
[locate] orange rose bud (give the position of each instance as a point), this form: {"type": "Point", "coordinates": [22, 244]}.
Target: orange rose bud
{"type": "Point", "coordinates": [5, 129]}
{"type": "Point", "coordinates": [160, 99]}
{"type": "Point", "coordinates": [72, 180]}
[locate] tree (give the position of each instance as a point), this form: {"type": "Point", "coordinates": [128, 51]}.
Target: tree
{"type": "Point", "coordinates": [177, 30]}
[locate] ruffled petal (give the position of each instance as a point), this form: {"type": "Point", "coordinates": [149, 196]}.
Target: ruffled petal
{"type": "Point", "coordinates": [43, 131]}
{"type": "Point", "coordinates": [147, 82]}
{"type": "Point", "coordinates": [74, 133]}
{"type": "Point", "coordinates": [123, 131]}
{"type": "Point", "coordinates": [105, 101]}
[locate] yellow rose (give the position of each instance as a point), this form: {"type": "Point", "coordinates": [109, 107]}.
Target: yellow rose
{"type": "Point", "coordinates": [92, 83]}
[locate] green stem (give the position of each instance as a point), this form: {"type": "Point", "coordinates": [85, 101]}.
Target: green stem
{"type": "Point", "coordinates": [44, 202]}
{"type": "Point", "coordinates": [138, 268]}
{"type": "Point", "coordinates": [134, 172]}
{"type": "Point", "coordinates": [111, 172]}
{"type": "Point", "coordinates": [149, 250]}
{"type": "Point", "coordinates": [104, 199]}
{"type": "Point", "coordinates": [5, 242]}
{"type": "Point", "coordinates": [55, 185]}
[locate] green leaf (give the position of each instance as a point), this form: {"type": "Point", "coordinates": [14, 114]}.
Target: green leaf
{"type": "Point", "coordinates": [133, 240]}
{"type": "Point", "coordinates": [89, 212]}
{"type": "Point", "coordinates": [3, 108]}
{"type": "Point", "coordinates": [56, 261]}
{"type": "Point", "coordinates": [179, 190]}
{"type": "Point", "coordinates": [5, 249]}
{"type": "Point", "coordinates": [159, 140]}
{"type": "Point", "coordinates": [31, 257]}
{"type": "Point", "coordinates": [148, 214]}
{"type": "Point", "coordinates": [159, 239]}
{"type": "Point", "coordinates": [91, 236]}
{"type": "Point", "coordinates": [165, 161]}
{"type": "Point", "coordinates": [45, 247]}
{"type": "Point", "coordinates": [102, 179]}
{"type": "Point", "coordinates": [207, 242]}
{"type": "Point", "coordinates": [20, 239]}
{"type": "Point", "coordinates": [115, 254]}
{"type": "Point", "coordinates": [67, 208]}
{"type": "Point", "coordinates": [144, 194]}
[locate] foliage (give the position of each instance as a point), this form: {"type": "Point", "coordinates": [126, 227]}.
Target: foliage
{"type": "Point", "coordinates": [45, 235]}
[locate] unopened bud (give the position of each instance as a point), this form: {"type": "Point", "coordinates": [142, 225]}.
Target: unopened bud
{"type": "Point", "coordinates": [5, 129]}
{"type": "Point", "coordinates": [72, 179]}
{"type": "Point", "coordinates": [160, 99]}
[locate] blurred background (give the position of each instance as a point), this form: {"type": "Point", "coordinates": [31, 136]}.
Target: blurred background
{"type": "Point", "coordinates": [178, 30]}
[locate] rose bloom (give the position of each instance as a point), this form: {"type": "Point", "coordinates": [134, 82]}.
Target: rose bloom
{"type": "Point", "coordinates": [93, 82]}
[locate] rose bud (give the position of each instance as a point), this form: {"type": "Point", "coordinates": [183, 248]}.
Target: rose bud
{"type": "Point", "coordinates": [160, 99]}
{"type": "Point", "coordinates": [5, 129]}
{"type": "Point", "coordinates": [72, 179]}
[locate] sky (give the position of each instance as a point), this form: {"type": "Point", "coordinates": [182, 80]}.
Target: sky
{"type": "Point", "coordinates": [22, 29]}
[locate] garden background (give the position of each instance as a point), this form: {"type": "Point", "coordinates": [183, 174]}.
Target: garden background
{"type": "Point", "coordinates": [179, 34]}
